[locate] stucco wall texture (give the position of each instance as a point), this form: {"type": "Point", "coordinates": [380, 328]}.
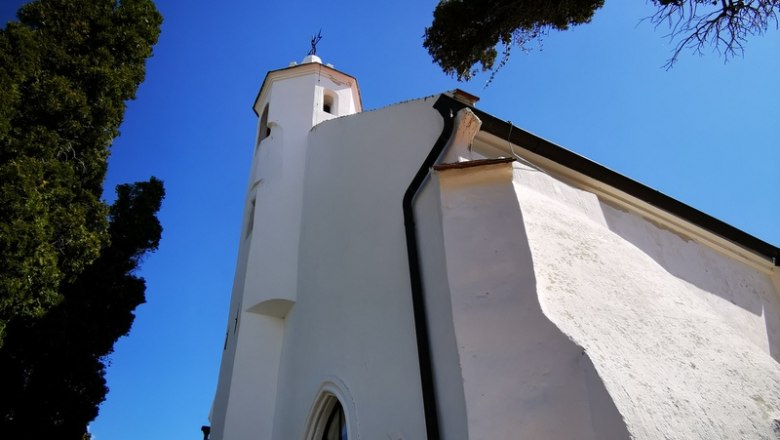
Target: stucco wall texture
{"type": "Point", "coordinates": [554, 315]}
{"type": "Point", "coordinates": [682, 337]}
{"type": "Point", "coordinates": [522, 377]}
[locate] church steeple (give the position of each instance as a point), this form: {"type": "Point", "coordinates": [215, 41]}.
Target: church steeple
{"type": "Point", "coordinates": [291, 101]}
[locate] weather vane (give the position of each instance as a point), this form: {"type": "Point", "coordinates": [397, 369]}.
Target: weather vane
{"type": "Point", "coordinates": [314, 40]}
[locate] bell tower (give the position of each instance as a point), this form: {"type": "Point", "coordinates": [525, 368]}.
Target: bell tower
{"type": "Point", "coordinates": [291, 102]}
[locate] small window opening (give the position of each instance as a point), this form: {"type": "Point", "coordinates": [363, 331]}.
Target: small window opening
{"type": "Point", "coordinates": [329, 102]}
{"type": "Point", "coordinates": [265, 129]}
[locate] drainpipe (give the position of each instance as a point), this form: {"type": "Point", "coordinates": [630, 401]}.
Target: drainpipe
{"type": "Point", "coordinates": [447, 108]}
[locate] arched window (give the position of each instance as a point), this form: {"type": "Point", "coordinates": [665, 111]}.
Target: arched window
{"type": "Point", "coordinates": [328, 419]}
{"type": "Point", "coordinates": [333, 415]}
{"type": "Point", "coordinates": [335, 425]}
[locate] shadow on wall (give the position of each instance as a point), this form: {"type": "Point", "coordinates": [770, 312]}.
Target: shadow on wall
{"type": "Point", "coordinates": [706, 269]}
{"type": "Point", "coordinates": [522, 376]}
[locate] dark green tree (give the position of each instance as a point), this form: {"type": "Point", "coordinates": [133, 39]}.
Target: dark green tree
{"type": "Point", "coordinates": [66, 69]}
{"type": "Point", "coordinates": [67, 283]}
{"type": "Point", "coordinates": [467, 33]}
{"type": "Point", "coordinates": [52, 368]}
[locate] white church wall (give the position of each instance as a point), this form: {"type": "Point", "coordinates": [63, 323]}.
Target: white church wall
{"type": "Point", "coordinates": [553, 313]}
{"type": "Point", "coordinates": [674, 329]}
{"type": "Point", "coordinates": [267, 265]}
{"type": "Point", "coordinates": [741, 295]}
{"type": "Point", "coordinates": [265, 285]}
{"type": "Point", "coordinates": [252, 394]}
{"type": "Point", "coordinates": [277, 184]}
{"type": "Point", "coordinates": [295, 100]}
{"type": "Point", "coordinates": [448, 379]}
{"type": "Point", "coordinates": [353, 317]}
{"type": "Point", "coordinates": [522, 377]}
{"type": "Point", "coordinates": [224, 383]}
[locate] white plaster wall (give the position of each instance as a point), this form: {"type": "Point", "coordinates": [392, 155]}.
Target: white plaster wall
{"type": "Point", "coordinates": [253, 385]}
{"type": "Point", "coordinates": [448, 378]}
{"type": "Point", "coordinates": [673, 328]}
{"type": "Point", "coordinates": [742, 296]}
{"type": "Point", "coordinates": [522, 377]}
{"type": "Point", "coordinates": [267, 265]}
{"type": "Point", "coordinates": [278, 174]}
{"type": "Point", "coordinates": [568, 318]}
{"type": "Point", "coordinates": [222, 393]}
{"type": "Point", "coordinates": [353, 316]}
{"type": "Point", "coordinates": [266, 273]}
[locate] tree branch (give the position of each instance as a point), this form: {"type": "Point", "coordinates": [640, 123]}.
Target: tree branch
{"type": "Point", "coordinates": [725, 28]}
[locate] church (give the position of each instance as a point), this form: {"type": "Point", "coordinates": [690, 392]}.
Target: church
{"type": "Point", "coordinates": [429, 271]}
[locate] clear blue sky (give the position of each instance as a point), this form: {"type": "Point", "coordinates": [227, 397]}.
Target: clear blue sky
{"type": "Point", "coordinates": [706, 133]}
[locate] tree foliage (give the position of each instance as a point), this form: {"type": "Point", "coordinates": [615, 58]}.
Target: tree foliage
{"type": "Point", "coordinates": [66, 69]}
{"type": "Point", "coordinates": [67, 283]}
{"type": "Point", "coordinates": [467, 33]}
{"type": "Point", "coordinates": [52, 368]}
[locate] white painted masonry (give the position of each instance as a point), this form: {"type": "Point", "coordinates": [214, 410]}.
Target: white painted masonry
{"type": "Point", "coordinates": [678, 361]}
{"type": "Point", "coordinates": [558, 306]}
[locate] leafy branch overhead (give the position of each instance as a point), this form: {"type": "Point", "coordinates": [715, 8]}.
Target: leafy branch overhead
{"type": "Point", "coordinates": [467, 35]}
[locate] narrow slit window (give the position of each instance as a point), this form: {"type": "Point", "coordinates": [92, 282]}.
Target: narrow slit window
{"type": "Point", "coordinates": [251, 223]}
{"type": "Point", "coordinates": [265, 129]}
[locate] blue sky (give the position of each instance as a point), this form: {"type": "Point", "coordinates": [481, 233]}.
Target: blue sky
{"type": "Point", "coordinates": [705, 132]}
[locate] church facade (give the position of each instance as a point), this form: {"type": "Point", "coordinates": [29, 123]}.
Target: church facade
{"type": "Point", "coordinates": [429, 271]}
